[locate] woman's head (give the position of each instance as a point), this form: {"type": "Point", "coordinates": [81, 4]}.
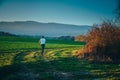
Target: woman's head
{"type": "Point", "coordinates": [42, 36]}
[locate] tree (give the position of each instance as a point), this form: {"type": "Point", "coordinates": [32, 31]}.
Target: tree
{"type": "Point", "coordinates": [103, 43]}
{"type": "Point", "coordinates": [104, 40]}
{"type": "Point", "coordinates": [117, 11]}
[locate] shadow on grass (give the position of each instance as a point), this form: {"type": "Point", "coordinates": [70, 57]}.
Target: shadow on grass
{"type": "Point", "coordinates": [82, 69]}
{"type": "Point", "coordinates": [20, 70]}
{"type": "Point", "coordinates": [70, 66]}
{"type": "Point", "coordinates": [27, 71]}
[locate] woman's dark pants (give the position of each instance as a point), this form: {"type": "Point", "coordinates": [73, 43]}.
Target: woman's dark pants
{"type": "Point", "coordinates": [42, 49]}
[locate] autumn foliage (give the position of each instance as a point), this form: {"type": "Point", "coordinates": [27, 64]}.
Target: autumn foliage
{"type": "Point", "coordinates": [103, 43]}
{"type": "Point", "coordinates": [81, 38]}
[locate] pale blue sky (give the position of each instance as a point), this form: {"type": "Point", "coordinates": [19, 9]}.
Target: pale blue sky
{"type": "Point", "coordinates": [78, 12]}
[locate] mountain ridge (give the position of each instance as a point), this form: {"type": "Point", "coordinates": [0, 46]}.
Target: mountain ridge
{"type": "Point", "coordinates": [39, 28]}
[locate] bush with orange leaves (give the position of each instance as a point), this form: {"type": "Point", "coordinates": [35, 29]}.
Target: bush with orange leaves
{"type": "Point", "coordinates": [81, 38]}
{"type": "Point", "coordinates": [103, 43]}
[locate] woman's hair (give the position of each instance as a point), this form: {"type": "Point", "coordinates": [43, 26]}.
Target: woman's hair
{"type": "Point", "coordinates": [42, 36]}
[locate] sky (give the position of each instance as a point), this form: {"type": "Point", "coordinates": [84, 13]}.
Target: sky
{"type": "Point", "coordinates": [77, 12]}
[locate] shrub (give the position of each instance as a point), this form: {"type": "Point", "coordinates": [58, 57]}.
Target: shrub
{"type": "Point", "coordinates": [81, 38]}
{"type": "Point", "coordinates": [103, 43]}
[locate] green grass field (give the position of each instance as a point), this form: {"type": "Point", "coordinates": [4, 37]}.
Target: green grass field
{"type": "Point", "coordinates": [20, 59]}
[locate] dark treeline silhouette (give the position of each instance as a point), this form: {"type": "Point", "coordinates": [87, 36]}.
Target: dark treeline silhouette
{"type": "Point", "coordinates": [6, 34]}
{"type": "Point", "coordinates": [66, 38]}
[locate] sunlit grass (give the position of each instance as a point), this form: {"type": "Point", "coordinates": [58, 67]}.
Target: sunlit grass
{"type": "Point", "coordinates": [6, 59]}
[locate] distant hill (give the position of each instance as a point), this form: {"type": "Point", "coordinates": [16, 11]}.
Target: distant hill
{"type": "Point", "coordinates": [47, 29]}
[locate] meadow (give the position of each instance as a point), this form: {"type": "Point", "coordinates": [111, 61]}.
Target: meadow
{"type": "Point", "coordinates": [20, 59]}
